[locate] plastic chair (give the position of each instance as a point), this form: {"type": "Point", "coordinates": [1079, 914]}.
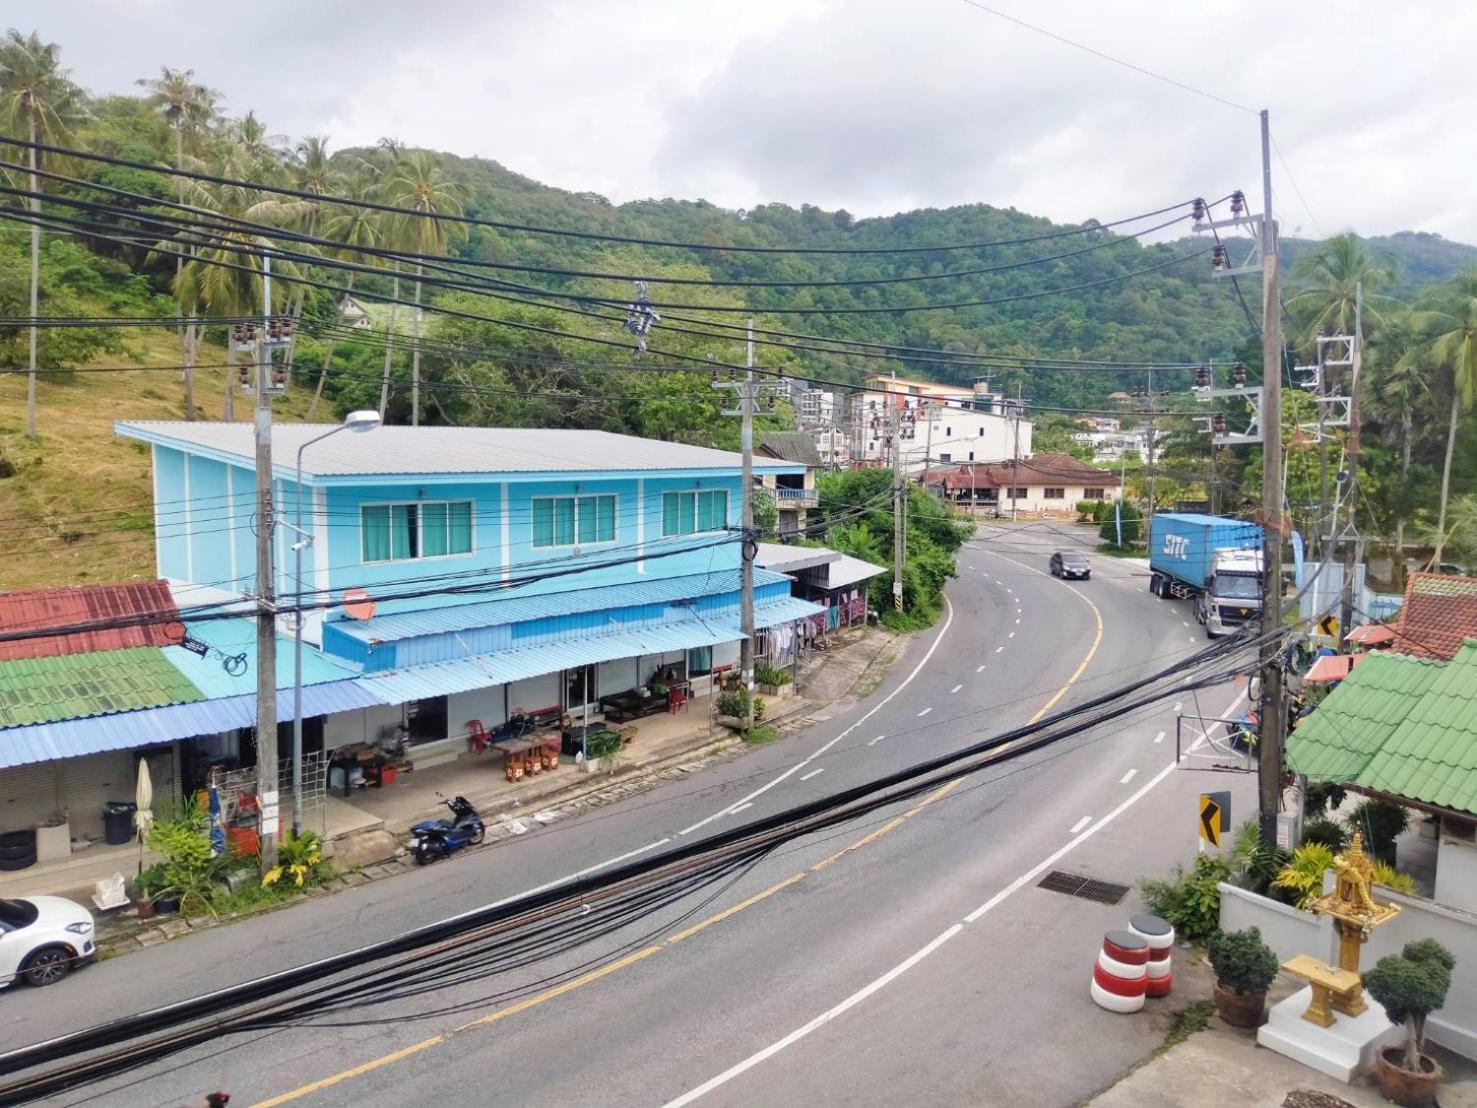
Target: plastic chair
{"type": "Point", "coordinates": [477, 737]}
{"type": "Point", "coordinates": [676, 700]}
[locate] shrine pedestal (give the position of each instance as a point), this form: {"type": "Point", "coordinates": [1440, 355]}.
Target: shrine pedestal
{"type": "Point", "coordinates": [1344, 1051]}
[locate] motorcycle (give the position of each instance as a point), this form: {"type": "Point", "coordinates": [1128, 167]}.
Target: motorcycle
{"type": "Point", "coordinates": [436, 838]}
{"type": "Point", "coordinates": [1245, 732]}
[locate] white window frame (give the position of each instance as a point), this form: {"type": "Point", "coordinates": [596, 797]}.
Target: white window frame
{"type": "Point", "coordinates": [693, 492]}
{"type": "Point", "coordinates": [417, 505]}
{"type": "Point", "coordinates": [576, 545]}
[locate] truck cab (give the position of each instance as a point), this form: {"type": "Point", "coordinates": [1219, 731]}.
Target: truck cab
{"type": "Point", "coordinates": [1234, 595]}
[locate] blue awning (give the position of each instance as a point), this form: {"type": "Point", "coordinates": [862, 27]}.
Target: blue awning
{"type": "Point", "coordinates": [483, 670]}
{"type": "Point", "coordinates": [772, 613]}
{"type": "Point", "coordinates": [74, 738]}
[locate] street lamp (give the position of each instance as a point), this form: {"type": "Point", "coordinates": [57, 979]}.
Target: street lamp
{"type": "Point", "coordinates": [358, 422]}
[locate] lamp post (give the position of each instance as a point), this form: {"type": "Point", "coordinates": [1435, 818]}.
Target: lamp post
{"type": "Point", "coordinates": [358, 422]}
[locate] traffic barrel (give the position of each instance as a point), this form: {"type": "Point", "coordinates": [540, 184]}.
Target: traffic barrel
{"type": "Point", "coordinates": [1120, 979]}
{"type": "Point", "coordinates": [1159, 934]}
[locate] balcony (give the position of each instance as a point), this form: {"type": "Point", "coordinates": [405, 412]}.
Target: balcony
{"type": "Point", "coordinates": [797, 498]}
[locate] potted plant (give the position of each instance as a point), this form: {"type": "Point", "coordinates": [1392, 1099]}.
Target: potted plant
{"type": "Point", "coordinates": [1409, 986]}
{"type": "Point", "coordinates": [148, 886]}
{"type": "Point", "coordinates": [771, 679]}
{"type": "Point", "coordinates": [1244, 970]}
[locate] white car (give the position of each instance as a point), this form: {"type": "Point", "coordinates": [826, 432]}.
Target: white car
{"type": "Point", "coordinates": [42, 939]}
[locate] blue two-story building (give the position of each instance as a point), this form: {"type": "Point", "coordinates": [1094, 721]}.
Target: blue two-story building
{"type": "Point", "coordinates": [452, 574]}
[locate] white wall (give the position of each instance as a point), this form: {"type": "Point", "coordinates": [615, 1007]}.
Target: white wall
{"type": "Point", "coordinates": [77, 788]}
{"type": "Point", "coordinates": [1456, 874]}
{"type": "Point", "coordinates": [482, 704]}
{"type": "Point", "coordinates": [535, 693]}
{"type": "Point", "coordinates": [1033, 497]}
{"type": "Point", "coordinates": [365, 725]}
{"type": "Point", "coordinates": [1290, 932]}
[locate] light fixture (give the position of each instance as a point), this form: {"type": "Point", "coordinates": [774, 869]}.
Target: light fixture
{"type": "Point", "coordinates": [362, 421]}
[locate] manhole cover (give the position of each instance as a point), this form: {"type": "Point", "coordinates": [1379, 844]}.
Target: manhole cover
{"type": "Point", "coordinates": [1086, 888]}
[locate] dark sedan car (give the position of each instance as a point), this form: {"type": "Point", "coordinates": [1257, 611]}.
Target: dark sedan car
{"type": "Point", "coordinates": [1067, 564]}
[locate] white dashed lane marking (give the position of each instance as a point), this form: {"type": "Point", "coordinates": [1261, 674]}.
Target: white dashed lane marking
{"type": "Point", "coordinates": [979, 669]}
{"type": "Point", "coordinates": [1159, 738]}
{"type": "Point", "coordinates": [814, 773]}
{"type": "Point", "coordinates": [877, 740]}
{"type": "Point", "coordinates": [1080, 824]}
{"type": "Point", "coordinates": [956, 688]}
{"type": "Point", "coordinates": [925, 711]}
{"type": "Point", "coordinates": [1127, 777]}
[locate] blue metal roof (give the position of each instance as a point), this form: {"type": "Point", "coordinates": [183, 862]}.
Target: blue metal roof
{"type": "Point", "coordinates": [517, 606]}
{"type": "Point", "coordinates": [785, 610]}
{"type": "Point", "coordinates": [74, 738]}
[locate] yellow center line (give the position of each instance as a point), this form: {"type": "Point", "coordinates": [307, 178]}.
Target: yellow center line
{"type": "Point", "coordinates": [739, 907]}
{"type": "Point", "coordinates": [357, 1071]}
{"type": "Point", "coordinates": [560, 990]}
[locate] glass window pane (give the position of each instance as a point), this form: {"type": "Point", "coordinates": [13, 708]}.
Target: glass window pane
{"type": "Point", "coordinates": [433, 530]}
{"type": "Point", "coordinates": [564, 521]}
{"type": "Point", "coordinates": [543, 522]}
{"type": "Point", "coordinates": [459, 527]}
{"type": "Point", "coordinates": [402, 527]}
{"type": "Point", "coordinates": [685, 519]}
{"type": "Point", "coordinates": [588, 519]}
{"type": "Point", "coordinates": [670, 521]}
{"type": "Point", "coordinates": [605, 530]}
{"type": "Point", "coordinates": [374, 525]}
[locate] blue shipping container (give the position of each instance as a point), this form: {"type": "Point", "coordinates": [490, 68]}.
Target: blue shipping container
{"type": "Point", "coordinates": [1183, 546]}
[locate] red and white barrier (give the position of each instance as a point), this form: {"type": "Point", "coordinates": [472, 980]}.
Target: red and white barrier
{"type": "Point", "coordinates": [1159, 934]}
{"type": "Point", "coordinates": [1120, 979]}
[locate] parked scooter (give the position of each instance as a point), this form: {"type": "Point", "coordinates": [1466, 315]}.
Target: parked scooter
{"type": "Point", "coordinates": [436, 838]}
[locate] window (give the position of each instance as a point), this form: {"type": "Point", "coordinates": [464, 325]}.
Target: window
{"type": "Point", "coordinates": [1054, 494]}
{"type": "Point", "coordinates": [971, 455]}
{"type": "Point", "coordinates": [699, 661]}
{"type": "Point", "coordinates": [686, 513]}
{"type": "Point", "coordinates": [948, 432]}
{"type": "Point", "coordinates": [946, 457]}
{"type": "Point", "coordinates": [982, 432]}
{"type": "Point", "coordinates": [425, 529]}
{"type": "Point", "coordinates": [1017, 493]}
{"type": "Point", "coordinates": [1092, 494]}
{"type": "Point", "coordinates": [573, 520]}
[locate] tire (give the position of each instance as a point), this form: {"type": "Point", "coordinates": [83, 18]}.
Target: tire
{"type": "Point", "coordinates": [1113, 1003]}
{"type": "Point", "coordinates": [1087, 577]}
{"type": "Point", "coordinates": [1120, 986]}
{"type": "Point", "coordinates": [23, 862]}
{"type": "Point", "coordinates": [423, 856]}
{"type": "Point", "coordinates": [479, 835]}
{"type": "Point", "coordinates": [9, 840]}
{"type": "Point", "coordinates": [1122, 970]}
{"type": "Point", "coordinates": [1154, 580]}
{"type": "Point", "coordinates": [47, 966]}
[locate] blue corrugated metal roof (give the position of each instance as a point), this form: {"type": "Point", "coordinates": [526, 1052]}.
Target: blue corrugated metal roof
{"type": "Point", "coordinates": [484, 670]}
{"type": "Point", "coordinates": [126, 730]}
{"type": "Point", "coordinates": [786, 610]}
{"type": "Point", "coordinates": [515, 607]}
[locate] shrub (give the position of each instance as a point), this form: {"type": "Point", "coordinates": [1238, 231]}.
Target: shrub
{"type": "Point", "coordinates": [1322, 796]}
{"type": "Point", "coordinates": [1243, 963]}
{"type": "Point", "coordinates": [1325, 833]}
{"type": "Point", "coordinates": [189, 860]}
{"type": "Point", "coordinates": [735, 703]}
{"type": "Point", "coordinates": [1257, 863]}
{"type": "Point", "coordinates": [299, 857]}
{"type": "Point", "coordinates": [1190, 901]}
{"type": "Point", "coordinates": [1409, 986]}
{"type": "Point", "coordinates": [1303, 875]}
{"type": "Point", "coordinates": [766, 674]}
{"type": "Point", "coordinates": [1132, 524]}
{"type": "Point", "coordinates": [1381, 823]}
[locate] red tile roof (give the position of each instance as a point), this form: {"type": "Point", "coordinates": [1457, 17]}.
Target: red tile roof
{"type": "Point", "coordinates": [1037, 470]}
{"type": "Point", "coordinates": [40, 609]}
{"type": "Point", "coordinates": [1439, 612]}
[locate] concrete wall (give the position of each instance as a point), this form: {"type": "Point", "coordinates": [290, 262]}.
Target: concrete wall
{"type": "Point", "coordinates": [345, 728]}
{"type": "Point", "coordinates": [1456, 874]}
{"type": "Point", "coordinates": [1290, 932]}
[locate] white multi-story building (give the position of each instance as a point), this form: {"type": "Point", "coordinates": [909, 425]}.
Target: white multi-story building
{"type": "Point", "coordinates": [939, 425]}
{"type": "Point", "coordinates": [814, 408]}
{"type": "Point", "coordinates": [1111, 446]}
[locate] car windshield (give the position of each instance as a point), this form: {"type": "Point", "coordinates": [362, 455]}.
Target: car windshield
{"type": "Point", "coordinates": [1073, 560]}
{"type": "Point", "coordinates": [1238, 588]}
{"type": "Point", "coordinates": [17, 913]}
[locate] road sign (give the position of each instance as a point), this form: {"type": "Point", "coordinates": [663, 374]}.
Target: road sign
{"type": "Point", "coordinates": [1329, 625]}
{"type": "Point", "coordinates": [1215, 816]}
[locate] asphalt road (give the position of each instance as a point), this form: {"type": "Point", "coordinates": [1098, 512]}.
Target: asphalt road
{"type": "Point", "coordinates": [908, 956]}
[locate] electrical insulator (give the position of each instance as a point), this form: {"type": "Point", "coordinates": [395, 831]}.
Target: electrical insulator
{"type": "Point", "coordinates": [243, 376]}
{"type": "Point", "coordinates": [289, 327]}
{"type": "Point", "coordinates": [1218, 259]}
{"type": "Point", "coordinates": [1202, 377]}
{"type": "Point", "coordinates": [1238, 202]}
{"type": "Point", "coordinates": [1197, 209]}
{"type": "Point", "coordinates": [1238, 375]}
{"type": "Point", "coordinates": [1218, 423]}
{"type": "Point", "coordinates": [713, 376]}
{"type": "Point", "coordinates": [238, 336]}
{"type": "Point", "coordinates": [279, 377]}
{"type": "Point", "coordinates": [274, 330]}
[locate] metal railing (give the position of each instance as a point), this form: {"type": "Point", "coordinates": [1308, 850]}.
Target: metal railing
{"type": "Point", "coordinates": [797, 498]}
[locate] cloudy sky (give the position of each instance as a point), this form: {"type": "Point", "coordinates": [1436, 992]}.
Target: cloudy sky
{"type": "Point", "coordinates": [875, 106]}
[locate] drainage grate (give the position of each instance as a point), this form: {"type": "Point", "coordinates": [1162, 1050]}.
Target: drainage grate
{"type": "Point", "coordinates": [1074, 884]}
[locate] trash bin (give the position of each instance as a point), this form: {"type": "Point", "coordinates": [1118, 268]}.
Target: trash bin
{"type": "Point", "coordinates": [118, 821]}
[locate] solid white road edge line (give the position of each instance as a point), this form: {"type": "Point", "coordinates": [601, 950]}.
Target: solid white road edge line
{"type": "Point", "coordinates": [906, 681]}
{"type": "Point", "coordinates": [821, 1020]}
{"type": "Point", "coordinates": [912, 960]}
{"type": "Point", "coordinates": [1080, 824]}
{"type": "Point", "coordinates": [739, 808]}
{"type": "Point", "coordinates": [814, 773]}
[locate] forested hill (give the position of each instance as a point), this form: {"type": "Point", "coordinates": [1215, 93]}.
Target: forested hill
{"type": "Point", "coordinates": [1174, 314]}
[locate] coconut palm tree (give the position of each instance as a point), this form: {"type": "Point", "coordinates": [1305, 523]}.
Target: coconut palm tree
{"type": "Point", "coordinates": [417, 181]}
{"type": "Point", "coordinates": [1401, 388]}
{"type": "Point", "coordinates": [1453, 326]}
{"type": "Point", "coordinates": [37, 100]}
{"type": "Point", "coordinates": [1326, 283]}
{"type": "Point", "coordinates": [357, 229]}
{"type": "Point", "coordinates": [188, 107]}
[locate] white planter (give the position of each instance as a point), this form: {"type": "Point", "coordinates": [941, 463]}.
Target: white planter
{"type": "Point", "coordinates": [54, 842]}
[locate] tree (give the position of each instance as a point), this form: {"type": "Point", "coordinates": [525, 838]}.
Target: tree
{"type": "Point", "coordinates": [1409, 986]}
{"type": "Point", "coordinates": [188, 107]}
{"type": "Point", "coordinates": [1453, 326]}
{"type": "Point", "coordinates": [1327, 282]}
{"type": "Point", "coordinates": [417, 181]}
{"type": "Point", "coordinates": [37, 100]}
{"type": "Point", "coordinates": [1132, 523]}
{"type": "Point", "coordinates": [1401, 389]}
{"type": "Point", "coordinates": [356, 228]}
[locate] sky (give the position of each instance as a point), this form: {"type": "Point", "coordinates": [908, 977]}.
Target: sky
{"type": "Point", "coordinates": [874, 106]}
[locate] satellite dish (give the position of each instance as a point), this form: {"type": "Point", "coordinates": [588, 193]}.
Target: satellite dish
{"type": "Point", "coordinates": [358, 604]}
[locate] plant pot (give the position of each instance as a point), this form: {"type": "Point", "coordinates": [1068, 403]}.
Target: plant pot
{"type": "Point", "coordinates": [145, 909]}
{"type": "Point", "coordinates": [1401, 1085]}
{"type": "Point", "coordinates": [1241, 1009]}
{"type": "Point", "coordinates": [165, 906]}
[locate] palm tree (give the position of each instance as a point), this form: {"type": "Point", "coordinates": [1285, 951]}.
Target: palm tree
{"type": "Point", "coordinates": [263, 150]}
{"type": "Point", "coordinates": [1453, 325]}
{"type": "Point", "coordinates": [356, 228]}
{"type": "Point", "coordinates": [38, 100]}
{"type": "Point", "coordinates": [1400, 371]}
{"type": "Point", "coordinates": [418, 182]}
{"type": "Point", "coordinates": [1327, 282]}
{"type": "Point", "coordinates": [188, 107]}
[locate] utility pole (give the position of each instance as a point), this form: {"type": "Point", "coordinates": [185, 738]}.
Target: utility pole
{"type": "Point", "coordinates": [1015, 454]}
{"type": "Point", "coordinates": [746, 600]}
{"type": "Point", "coordinates": [1273, 715]}
{"type": "Point", "coordinates": [899, 493]}
{"type": "Point", "coordinates": [266, 614]}
{"type": "Point", "coordinates": [1149, 455]}
{"type": "Point", "coordinates": [1351, 539]}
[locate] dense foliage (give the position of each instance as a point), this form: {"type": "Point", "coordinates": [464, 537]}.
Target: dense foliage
{"type": "Point", "coordinates": [1409, 986]}
{"type": "Point", "coordinates": [1243, 963]}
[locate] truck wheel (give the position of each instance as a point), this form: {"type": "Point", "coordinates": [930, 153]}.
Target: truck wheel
{"type": "Point", "coordinates": [1154, 580]}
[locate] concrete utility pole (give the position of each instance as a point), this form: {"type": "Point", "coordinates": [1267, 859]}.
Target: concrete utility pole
{"type": "Point", "coordinates": [266, 613]}
{"type": "Point", "coordinates": [1273, 717]}
{"type": "Point", "coordinates": [1015, 454]}
{"type": "Point", "coordinates": [1352, 542]}
{"type": "Point", "coordinates": [746, 500]}
{"type": "Point", "coordinates": [899, 493]}
{"type": "Point", "coordinates": [1149, 455]}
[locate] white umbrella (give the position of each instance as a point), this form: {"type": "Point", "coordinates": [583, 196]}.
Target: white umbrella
{"type": "Point", "coordinates": [143, 799]}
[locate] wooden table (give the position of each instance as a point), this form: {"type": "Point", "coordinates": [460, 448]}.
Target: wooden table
{"type": "Point", "coordinates": [517, 759]}
{"type": "Point", "coordinates": [1333, 988]}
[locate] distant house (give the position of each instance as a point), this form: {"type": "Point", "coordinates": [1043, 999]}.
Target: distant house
{"type": "Point", "coordinates": [355, 314]}
{"type": "Point", "coordinates": [1043, 484]}
{"type": "Point", "coordinates": [794, 494]}
{"type": "Point", "coordinates": [1438, 615]}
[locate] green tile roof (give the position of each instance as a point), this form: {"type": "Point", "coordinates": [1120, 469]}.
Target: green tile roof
{"type": "Point", "coordinates": [75, 686]}
{"type": "Point", "coordinates": [1401, 725]}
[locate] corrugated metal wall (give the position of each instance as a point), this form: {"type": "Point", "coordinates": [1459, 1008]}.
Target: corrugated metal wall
{"type": "Point", "coordinates": [78, 787]}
